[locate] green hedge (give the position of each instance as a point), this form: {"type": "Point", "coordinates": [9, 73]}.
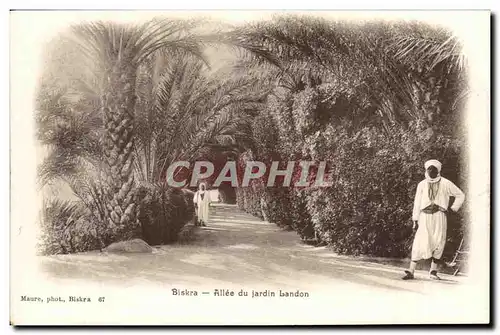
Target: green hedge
{"type": "Point", "coordinates": [164, 212]}
{"type": "Point", "coordinates": [68, 227]}
{"type": "Point", "coordinates": [375, 170]}
{"type": "Point", "coordinates": [368, 209]}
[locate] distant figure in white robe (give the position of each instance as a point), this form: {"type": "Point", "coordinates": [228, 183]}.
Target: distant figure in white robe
{"type": "Point", "coordinates": [202, 202]}
{"type": "Point", "coordinates": [429, 217]}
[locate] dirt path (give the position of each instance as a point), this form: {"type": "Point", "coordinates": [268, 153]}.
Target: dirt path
{"type": "Point", "coordinates": [237, 248]}
{"type": "Point", "coordinates": [241, 253]}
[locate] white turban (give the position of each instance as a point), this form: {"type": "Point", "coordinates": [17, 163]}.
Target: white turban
{"type": "Point", "coordinates": [433, 162]}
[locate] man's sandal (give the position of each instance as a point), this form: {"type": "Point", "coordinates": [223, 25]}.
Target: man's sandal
{"type": "Point", "coordinates": [433, 275]}
{"type": "Point", "coordinates": [408, 275]}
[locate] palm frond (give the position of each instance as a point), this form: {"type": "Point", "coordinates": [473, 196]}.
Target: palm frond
{"type": "Point", "coordinates": [430, 51]}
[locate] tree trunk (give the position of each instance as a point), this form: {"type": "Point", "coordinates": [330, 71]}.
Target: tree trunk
{"type": "Point", "coordinates": [118, 104]}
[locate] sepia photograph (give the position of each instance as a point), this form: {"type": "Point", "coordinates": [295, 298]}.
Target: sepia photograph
{"type": "Point", "coordinates": [250, 167]}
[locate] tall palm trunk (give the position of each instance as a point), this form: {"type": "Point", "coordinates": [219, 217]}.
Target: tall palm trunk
{"type": "Point", "coordinates": [118, 104]}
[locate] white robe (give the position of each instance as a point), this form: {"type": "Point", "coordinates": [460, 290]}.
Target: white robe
{"type": "Point", "coordinates": [203, 205]}
{"type": "Point", "coordinates": [430, 237]}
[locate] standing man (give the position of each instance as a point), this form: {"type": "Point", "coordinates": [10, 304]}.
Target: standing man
{"type": "Point", "coordinates": [429, 217]}
{"type": "Point", "coordinates": [202, 202]}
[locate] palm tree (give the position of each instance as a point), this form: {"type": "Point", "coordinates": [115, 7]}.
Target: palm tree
{"type": "Point", "coordinates": [430, 48]}
{"type": "Point", "coordinates": [105, 96]}
{"type": "Point", "coordinates": [183, 113]}
{"type": "Point", "coordinates": [433, 53]}
{"type": "Point", "coordinates": [370, 58]}
{"type": "Point", "coordinates": [176, 110]}
{"type": "Point", "coordinates": [115, 52]}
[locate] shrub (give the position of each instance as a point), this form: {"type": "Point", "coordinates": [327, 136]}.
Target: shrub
{"type": "Point", "coordinates": [188, 198]}
{"type": "Point", "coordinates": [374, 216]}
{"type": "Point", "coordinates": [248, 200]}
{"type": "Point", "coordinates": [300, 217]}
{"type": "Point", "coordinates": [163, 212]}
{"type": "Point", "coordinates": [277, 207]}
{"type": "Point", "coordinates": [68, 227]}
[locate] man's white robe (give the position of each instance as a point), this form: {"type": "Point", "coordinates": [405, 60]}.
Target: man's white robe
{"type": "Point", "coordinates": [430, 237]}
{"type": "Point", "coordinates": [203, 205]}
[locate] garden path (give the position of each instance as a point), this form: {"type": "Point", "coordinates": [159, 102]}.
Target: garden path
{"type": "Point", "coordinates": [238, 251]}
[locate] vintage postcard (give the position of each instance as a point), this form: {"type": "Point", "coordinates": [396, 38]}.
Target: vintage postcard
{"type": "Point", "coordinates": [250, 167]}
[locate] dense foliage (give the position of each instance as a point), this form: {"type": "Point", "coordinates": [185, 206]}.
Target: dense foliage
{"type": "Point", "coordinates": [374, 100]}
{"type": "Point", "coordinates": [67, 227]}
{"type": "Point", "coordinates": [374, 134]}
{"type": "Point", "coordinates": [163, 213]}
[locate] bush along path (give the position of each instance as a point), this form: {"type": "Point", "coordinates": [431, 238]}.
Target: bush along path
{"type": "Point", "coordinates": [238, 249]}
